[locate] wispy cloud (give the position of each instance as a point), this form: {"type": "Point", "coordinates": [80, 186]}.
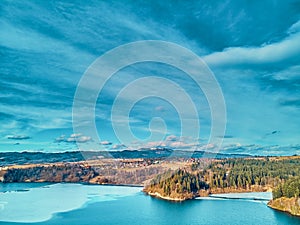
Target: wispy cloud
{"type": "Point", "coordinates": [73, 138]}
{"type": "Point", "coordinates": [285, 51]}
{"type": "Point", "coordinates": [106, 143]}
{"type": "Point", "coordinates": [118, 147]}
{"type": "Point", "coordinates": [171, 142]}
{"type": "Point", "coordinates": [18, 137]}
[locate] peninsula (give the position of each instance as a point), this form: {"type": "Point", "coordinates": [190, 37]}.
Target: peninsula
{"type": "Point", "coordinates": [277, 174]}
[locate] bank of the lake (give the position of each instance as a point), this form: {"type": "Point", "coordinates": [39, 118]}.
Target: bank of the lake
{"type": "Point", "coordinates": [174, 199]}
{"type": "Point", "coordinates": [288, 205]}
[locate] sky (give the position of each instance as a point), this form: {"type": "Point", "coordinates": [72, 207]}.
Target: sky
{"type": "Point", "coordinates": [251, 49]}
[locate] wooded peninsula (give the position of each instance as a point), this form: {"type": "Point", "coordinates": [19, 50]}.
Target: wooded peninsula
{"type": "Point", "coordinates": [279, 174]}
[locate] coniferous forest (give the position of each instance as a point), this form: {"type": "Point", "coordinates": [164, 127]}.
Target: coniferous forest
{"type": "Point", "coordinates": [280, 174]}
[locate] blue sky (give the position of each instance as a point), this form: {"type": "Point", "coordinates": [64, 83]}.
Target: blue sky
{"type": "Point", "coordinates": [252, 48]}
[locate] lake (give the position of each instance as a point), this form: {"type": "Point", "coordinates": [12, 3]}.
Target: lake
{"type": "Point", "coordinates": [58, 204]}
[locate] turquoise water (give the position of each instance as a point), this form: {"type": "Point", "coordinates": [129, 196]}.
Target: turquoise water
{"type": "Point", "coordinates": [127, 205]}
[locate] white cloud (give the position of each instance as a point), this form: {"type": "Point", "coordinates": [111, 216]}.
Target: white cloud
{"type": "Point", "coordinates": [291, 73]}
{"type": "Point", "coordinates": [159, 108]}
{"type": "Point", "coordinates": [269, 53]}
{"type": "Point", "coordinates": [118, 146]}
{"type": "Point", "coordinates": [73, 138]}
{"type": "Point", "coordinates": [172, 142]}
{"type": "Point", "coordinates": [105, 143]}
{"type": "Point", "coordinates": [75, 135]}
{"type": "Point", "coordinates": [172, 138]}
{"type": "Point", "coordinates": [60, 138]}
{"type": "Point", "coordinates": [294, 28]}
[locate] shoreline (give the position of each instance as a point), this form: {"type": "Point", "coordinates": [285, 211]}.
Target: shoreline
{"type": "Point", "coordinates": [280, 210]}
{"type": "Point", "coordinates": [213, 196]}
{"type": "Point", "coordinates": [286, 205]}
{"type": "Point", "coordinates": [157, 195]}
{"type": "Point", "coordinates": [283, 211]}
{"type": "Point", "coordinates": [242, 196]}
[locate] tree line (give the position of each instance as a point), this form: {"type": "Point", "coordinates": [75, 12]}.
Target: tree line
{"type": "Point", "coordinates": [243, 173]}
{"type": "Point", "coordinates": [247, 174]}
{"type": "Point", "coordinates": [179, 182]}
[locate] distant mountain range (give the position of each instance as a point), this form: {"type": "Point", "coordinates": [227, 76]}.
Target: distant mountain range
{"type": "Point", "coordinates": [10, 158]}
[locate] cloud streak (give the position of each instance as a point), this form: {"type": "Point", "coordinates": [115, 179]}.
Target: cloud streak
{"type": "Point", "coordinates": [18, 137]}
{"type": "Point", "coordinates": [286, 51]}
{"type": "Point", "coordinates": [74, 138]}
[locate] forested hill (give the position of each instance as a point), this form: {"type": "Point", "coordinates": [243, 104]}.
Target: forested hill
{"type": "Point", "coordinates": [176, 185]}
{"type": "Point", "coordinates": [226, 175]}
{"type": "Point", "coordinates": [248, 173]}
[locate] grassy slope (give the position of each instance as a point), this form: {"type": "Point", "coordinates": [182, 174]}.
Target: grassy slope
{"type": "Point", "coordinates": [289, 205]}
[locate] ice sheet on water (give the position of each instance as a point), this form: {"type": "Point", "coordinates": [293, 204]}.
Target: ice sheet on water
{"type": "Point", "coordinates": [39, 204]}
{"type": "Point", "coordinates": [248, 195]}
